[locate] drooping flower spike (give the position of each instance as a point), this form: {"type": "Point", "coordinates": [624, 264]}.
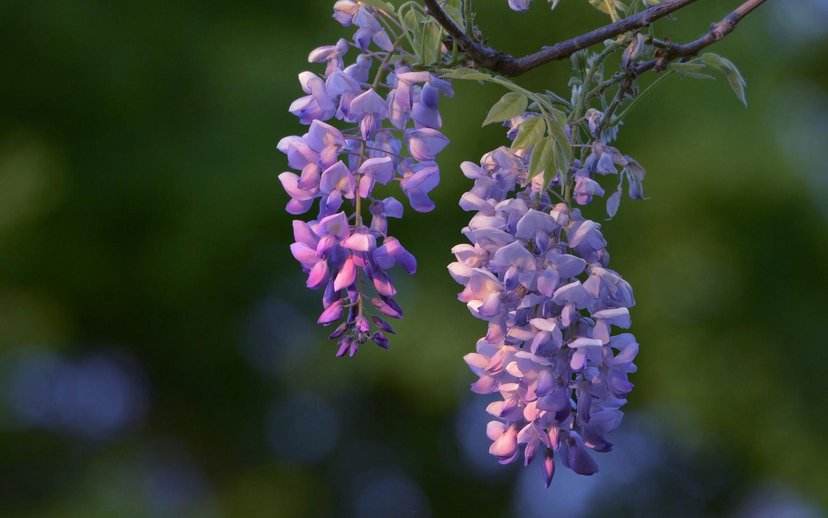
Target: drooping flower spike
{"type": "Point", "coordinates": [537, 271]}
{"type": "Point", "coordinates": [389, 132]}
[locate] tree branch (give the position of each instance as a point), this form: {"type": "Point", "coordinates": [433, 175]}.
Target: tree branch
{"type": "Point", "coordinates": [509, 65]}
{"type": "Point", "coordinates": [717, 32]}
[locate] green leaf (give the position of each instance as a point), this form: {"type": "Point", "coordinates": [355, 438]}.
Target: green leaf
{"type": "Point", "coordinates": [731, 72]}
{"type": "Point", "coordinates": [610, 7]}
{"type": "Point", "coordinates": [412, 21]}
{"type": "Point", "coordinates": [690, 69]}
{"type": "Point", "coordinates": [556, 126]}
{"type": "Point", "coordinates": [466, 74]}
{"type": "Point", "coordinates": [543, 156]}
{"type": "Point", "coordinates": [379, 4]}
{"type": "Point", "coordinates": [510, 105]}
{"type": "Point", "coordinates": [431, 44]}
{"type": "Point", "coordinates": [531, 131]}
{"type": "Point", "coordinates": [453, 9]}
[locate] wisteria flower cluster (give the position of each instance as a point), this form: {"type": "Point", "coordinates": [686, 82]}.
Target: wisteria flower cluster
{"type": "Point", "coordinates": [390, 135]}
{"type": "Point", "coordinates": [537, 272]}
{"type": "Point", "coordinates": [536, 268]}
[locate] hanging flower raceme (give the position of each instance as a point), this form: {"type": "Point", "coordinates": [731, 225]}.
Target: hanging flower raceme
{"type": "Point", "coordinates": [390, 133]}
{"type": "Point", "coordinates": [537, 272]}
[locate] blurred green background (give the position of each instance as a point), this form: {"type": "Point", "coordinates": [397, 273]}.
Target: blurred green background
{"type": "Point", "coordinates": [158, 355]}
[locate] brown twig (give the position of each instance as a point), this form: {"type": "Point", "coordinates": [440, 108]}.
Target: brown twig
{"type": "Point", "coordinates": [717, 32]}
{"type": "Point", "coordinates": [509, 65]}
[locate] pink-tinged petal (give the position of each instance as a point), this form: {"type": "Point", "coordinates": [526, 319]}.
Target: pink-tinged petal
{"type": "Point", "coordinates": [290, 183]}
{"type": "Point", "coordinates": [572, 293]}
{"type": "Point", "coordinates": [601, 331]}
{"type": "Point", "coordinates": [460, 272]}
{"type": "Point", "coordinates": [381, 169]}
{"type": "Point", "coordinates": [334, 225]}
{"type": "Point", "coordinates": [328, 52]}
{"type": "Point", "coordinates": [331, 313]}
{"type": "Point", "coordinates": [302, 233]}
{"type": "Point", "coordinates": [309, 179]}
{"type": "Point", "coordinates": [337, 178]}
{"type": "Point", "coordinates": [414, 77]}
{"type": "Point", "coordinates": [584, 342]}
{"type": "Point", "coordinates": [318, 274]}
{"type": "Point", "coordinates": [322, 54]}
{"type": "Point", "coordinates": [360, 242]}
{"type": "Point", "coordinates": [619, 317]}
{"type": "Point", "coordinates": [309, 82]}
{"type": "Point", "coordinates": [304, 254]}
{"type": "Point", "coordinates": [472, 170]}
{"type": "Point", "coordinates": [366, 186]}
{"type": "Point", "coordinates": [485, 385]}
{"type": "Point", "coordinates": [322, 135]}
{"type": "Point", "coordinates": [369, 102]}
{"type": "Point", "coordinates": [547, 282]}
{"type": "Point", "coordinates": [534, 221]}
{"type": "Point", "coordinates": [344, 11]}
{"type": "Point", "coordinates": [333, 202]}
{"type": "Point", "coordinates": [514, 254]}
{"type": "Point", "coordinates": [426, 143]}
{"type": "Point", "coordinates": [476, 361]}
{"type": "Point", "coordinates": [340, 83]}
{"type": "Point", "coordinates": [588, 233]}
{"type": "Point", "coordinates": [312, 84]}
{"type": "Point", "coordinates": [548, 467]}
{"type": "Point", "coordinates": [569, 315]}
{"type": "Point", "coordinates": [346, 276]}
{"type": "Point", "coordinates": [578, 360]}
{"type": "Point", "coordinates": [526, 434]}
{"type": "Point", "coordinates": [296, 207]}
{"type": "Point", "coordinates": [494, 429]}
{"type": "Point", "coordinates": [325, 244]}
{"type": "Point", "coordinates": [544, 324]}
{"type": "Point", "coordinates": [496, 409]}
{"type": "Point", "coordinates": [472, 202]}
{"type": "Point", "coordinates": [298, 152]}
{"type": "Point", "coordinates": [505, 445]}
{"type": "Point", "coordinates": [383, 285]}
{"type": "Point", "coordinates": [387, 307]}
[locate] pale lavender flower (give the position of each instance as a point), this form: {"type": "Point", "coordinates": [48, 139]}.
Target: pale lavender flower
{"type": "Point", "coordinates": [389, 132]}
{"type": "Point", "coordinates": [537, 273]}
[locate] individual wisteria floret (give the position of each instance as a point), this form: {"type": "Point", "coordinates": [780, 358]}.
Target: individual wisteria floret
{"type": "Point", "coordinates": [538, 272]}
{"type": "Point", "coordinates": [390, 133]}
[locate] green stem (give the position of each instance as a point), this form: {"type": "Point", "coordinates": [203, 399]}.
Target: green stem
{"type": "Point", "coordinates": [467, 17]}
{"type": "Point", "coordinates": [592, 68]}
{"type": "Point", "coordinates": [649, 87]}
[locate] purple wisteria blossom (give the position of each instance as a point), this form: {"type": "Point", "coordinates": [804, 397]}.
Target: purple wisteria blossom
{"type": "Point", "coordinates": [389, 133]}
{"type": "Point", "coordinates": [537, 272]}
